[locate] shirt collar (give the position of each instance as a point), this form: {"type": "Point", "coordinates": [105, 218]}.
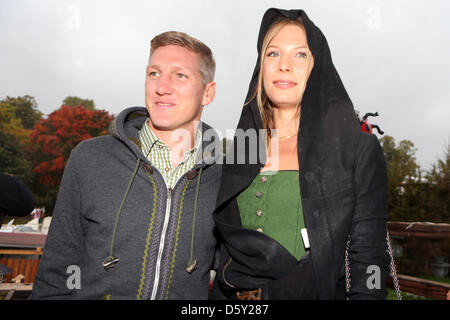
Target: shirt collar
{"type": "Point", "coordinates": [153, 138]}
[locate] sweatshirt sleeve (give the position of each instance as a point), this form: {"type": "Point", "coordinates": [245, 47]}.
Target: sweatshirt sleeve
{"type": "Point", "coordinates": [368, 255]}
{"type": "Point", "coordinates": [64, 242]}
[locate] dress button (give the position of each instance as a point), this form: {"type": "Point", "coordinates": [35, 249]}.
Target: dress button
{"type": "Point", "coordinates": [259, 213]}
{"type": "Point", "coordinates": [259, 230]}
{"type": "Point", "coordinates": [167, 169]}
{"type": "Point", "coordinates": [259, 194]}
{"type": "Point", "coordinates": [309, 176]}
{"type": "Point", "coordinates": [160, 146]}
{"type": "Point", "coordinates": [264, 179]}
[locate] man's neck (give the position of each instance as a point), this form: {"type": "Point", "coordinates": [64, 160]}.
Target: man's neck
{"type": "Point", "coordinates": [179, 140]}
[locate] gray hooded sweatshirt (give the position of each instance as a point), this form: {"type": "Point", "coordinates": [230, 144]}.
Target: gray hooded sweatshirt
{"type": "Point", "coordinates": [156, 235]}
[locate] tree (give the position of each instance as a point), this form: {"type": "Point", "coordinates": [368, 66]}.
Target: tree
{"type": "Point", "coordinates": [75, 102]}
{"type": "Point", "coordinates": [12, 126]}
{"type": "Point", "coordinates": [25, 108]}
{"type": "Point", "coordinates": [438, 179]}
{"type": "Point", "coordinates": [53, 139]}
{"type": "Point", "coordinates": [403, 175]}
{"type": "Point", "coordinates": [17, 117]}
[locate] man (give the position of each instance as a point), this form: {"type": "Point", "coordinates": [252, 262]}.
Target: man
{"type": "Point", "coordinates": [133, 218]}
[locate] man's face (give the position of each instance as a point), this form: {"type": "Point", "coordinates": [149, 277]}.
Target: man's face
{"type": "Point", "coordinates": [174, 90]}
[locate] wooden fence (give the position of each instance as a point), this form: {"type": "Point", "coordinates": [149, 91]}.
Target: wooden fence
{"type": "Point", "coordinates": [24, 262]}
{"type": "Point", "coordinates": [421, 287]}
{"type": "Point", "coordinates": [420, 229]}
{"type": "Point", "coordinates": [21, 252]}
{"type": "Point", "coordinates": [425, 288]}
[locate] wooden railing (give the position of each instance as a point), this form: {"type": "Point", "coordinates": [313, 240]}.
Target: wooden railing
{"type": "Point", "coordinates": [419, 229]}
{"type": "Point", "coordinates": [421, 287]}
{"type": "Point", "coordinates": [21, 252]}
{"type": "Point", "coordinates": [21, 262]}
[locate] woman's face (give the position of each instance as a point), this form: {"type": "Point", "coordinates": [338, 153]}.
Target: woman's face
{"type": "Point", "coordinates": [286, 66]}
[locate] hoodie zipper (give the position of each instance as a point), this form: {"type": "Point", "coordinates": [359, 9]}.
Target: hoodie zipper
{"type": "Point", "coordinates": [161, 243]}
{"type": "Point", "coordinates": [162, 239]}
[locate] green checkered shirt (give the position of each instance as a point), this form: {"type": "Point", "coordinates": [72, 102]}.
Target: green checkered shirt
{"type": "Point", "coordinates": [160, 155]}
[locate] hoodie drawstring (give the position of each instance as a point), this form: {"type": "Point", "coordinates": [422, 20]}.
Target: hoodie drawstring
{"type": "Point", "coordinates": [111, 260]}
{"type": "Point", "coordinates": [192, 265]}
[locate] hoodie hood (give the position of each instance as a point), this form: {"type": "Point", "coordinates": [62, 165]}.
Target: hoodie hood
{"type": "Point", "coordinates": [126, 126]}
{"type": "Point", "coordinates": [328, 126]}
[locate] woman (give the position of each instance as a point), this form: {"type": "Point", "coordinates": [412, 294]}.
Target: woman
{"type": "Point", "coordinates": [329, 178]}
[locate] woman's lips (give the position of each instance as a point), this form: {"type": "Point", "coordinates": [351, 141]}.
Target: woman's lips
{"type": "Point", "coordinates": [284, 84]}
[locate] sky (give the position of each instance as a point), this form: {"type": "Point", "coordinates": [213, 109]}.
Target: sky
{"type": "Point", "coordinates": [392, 56]}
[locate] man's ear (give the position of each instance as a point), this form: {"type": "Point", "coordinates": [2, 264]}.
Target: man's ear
{"type": "Point", "coordinates": [209, 94]}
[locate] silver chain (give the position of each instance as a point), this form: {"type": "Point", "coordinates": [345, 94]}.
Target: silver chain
{"type": "Point", "coordinates": [393, 269]}
{"type": "Point", "coordinates": [347, 267]}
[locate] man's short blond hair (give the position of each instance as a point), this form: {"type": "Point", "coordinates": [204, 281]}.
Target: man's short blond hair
{"type": "Point", "coordinates": [207, 65]}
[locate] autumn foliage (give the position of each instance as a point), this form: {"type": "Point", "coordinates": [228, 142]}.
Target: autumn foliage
{"type": "Point", "coordinates": [53, 139]}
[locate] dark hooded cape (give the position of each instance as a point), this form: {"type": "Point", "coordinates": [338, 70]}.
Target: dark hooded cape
{"type": "Point", "coordinates": [343, 183]}
{"type": "Point", "coordinates": [15, 197]}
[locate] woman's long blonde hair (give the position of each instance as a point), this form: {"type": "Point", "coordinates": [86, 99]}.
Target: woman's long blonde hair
{"type": "Point", "coordinates": [265, 109]}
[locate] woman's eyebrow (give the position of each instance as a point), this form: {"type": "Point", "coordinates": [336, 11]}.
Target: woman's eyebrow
{"type": "Point", "coordinates": [298, 47]}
